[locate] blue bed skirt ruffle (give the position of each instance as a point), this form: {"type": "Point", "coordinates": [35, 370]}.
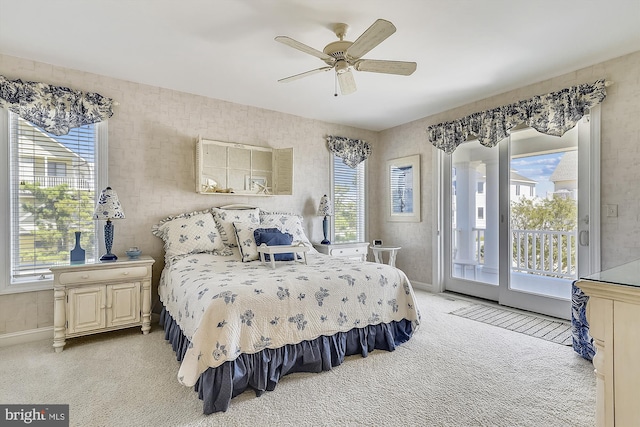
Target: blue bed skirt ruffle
{"type": "Point", "coordinates": [261, 371]}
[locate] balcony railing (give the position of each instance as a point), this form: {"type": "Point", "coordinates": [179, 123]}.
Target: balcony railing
{"type": "Point", "coordinates": [547, 253]}
{"type": "Point", "coordinates": [544, 253]}
{"type": "Point", "coordinates": [75, 183]}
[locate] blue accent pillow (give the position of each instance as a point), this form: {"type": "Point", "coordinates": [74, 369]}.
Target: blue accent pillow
{"type": "Point", "coordinates": [274, 237]}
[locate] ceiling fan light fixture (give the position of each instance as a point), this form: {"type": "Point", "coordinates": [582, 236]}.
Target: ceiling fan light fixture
{"type": "Point", "coordinates": [341, 66]}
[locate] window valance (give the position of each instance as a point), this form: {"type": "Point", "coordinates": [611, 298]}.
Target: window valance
{"type": "Point", "coordinates": [56, 109]}
{"type": "Point", "coordinates": [551, 114]}
{"type": "Point", "coordinates": [351, 151]}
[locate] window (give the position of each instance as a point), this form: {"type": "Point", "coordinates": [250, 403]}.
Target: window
{"type": "Point", "coordinates": [480, 187]}
{"type": "Point", "coordinates": [56, 168]}
{"type": "Point", "coordinates": [51, 188]}
{"type": "Point", "coordinates": [349, 202]}
{"type": "Point", "coordinates": [480, 212]}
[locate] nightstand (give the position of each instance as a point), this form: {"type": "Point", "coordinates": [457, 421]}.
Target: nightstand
{"type": "Point", "coordinates": [102, 296]}
{"type": "Point", "coordinates": [391, 250]}
{"type": "Point", "coordinates": [357, 251]}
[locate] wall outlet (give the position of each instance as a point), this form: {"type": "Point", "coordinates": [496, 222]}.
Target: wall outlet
{"type": "Point", "coordinates": [611, 210]}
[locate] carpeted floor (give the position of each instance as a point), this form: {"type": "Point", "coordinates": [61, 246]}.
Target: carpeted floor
{"type": "Point", "coordinates": [453, 372]}
{"type": "Point", "coordinates": [554, 330]}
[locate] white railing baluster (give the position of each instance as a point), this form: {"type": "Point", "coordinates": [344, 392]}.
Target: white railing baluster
{"type": "Point", "coordinates": [534, 251]}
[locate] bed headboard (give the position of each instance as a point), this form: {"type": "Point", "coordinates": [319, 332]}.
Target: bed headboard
{"type": "Point", "coordinates": [237, 206]}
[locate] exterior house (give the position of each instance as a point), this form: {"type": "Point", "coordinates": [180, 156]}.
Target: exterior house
{"type": "Point", "coordinates": [565, 176]}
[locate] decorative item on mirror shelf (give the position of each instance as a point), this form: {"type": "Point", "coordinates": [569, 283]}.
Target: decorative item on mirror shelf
{"type": "Point", "coordinates": [133, 252]}
{"type": "Point", "coordinates": [211, 186]}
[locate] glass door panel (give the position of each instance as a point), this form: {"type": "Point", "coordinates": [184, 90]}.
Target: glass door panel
{"type": "Point", "coordinates": [543, 204]}
{"type": "Point", "coordinates": [472, 226]}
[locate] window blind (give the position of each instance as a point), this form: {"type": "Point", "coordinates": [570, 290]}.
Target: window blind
{"type": "Point", "coordinates": [52, 187]}
{"type": "Point", "coordinates": [348, 201]}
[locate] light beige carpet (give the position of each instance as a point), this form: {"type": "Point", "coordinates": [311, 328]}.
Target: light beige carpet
{"type": "Point", "coordinates": [453, 372]}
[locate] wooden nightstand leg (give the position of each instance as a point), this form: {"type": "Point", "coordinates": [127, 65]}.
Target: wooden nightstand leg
{"type": "Point", "coordinates": [392, 258]}
{"type": "Point", "coordinates": [146, 306]}
{"type": "Point", "coordinates": [59, 319]}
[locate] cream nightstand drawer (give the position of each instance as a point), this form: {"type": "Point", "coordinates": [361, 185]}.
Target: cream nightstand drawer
{"type": "Point", "coordinates": [347, 251]}
{"type": "Point", "coordinates": [92, 276]}
{"type": "Point", "coordinates": [356, 251]}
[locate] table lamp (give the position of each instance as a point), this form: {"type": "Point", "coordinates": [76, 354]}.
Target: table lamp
{"type": "Point", "coordinates": [108, 208]}
{"type": "Point", "coordinates": [325, 209]}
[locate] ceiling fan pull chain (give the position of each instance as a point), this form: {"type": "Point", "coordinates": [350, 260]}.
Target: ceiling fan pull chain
{"type": "Point", "coordinates": [335, 84]}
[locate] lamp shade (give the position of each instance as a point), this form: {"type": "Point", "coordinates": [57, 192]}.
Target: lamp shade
{"type": "Point", "coordinates": [326, 207]}
{"type": "Point", "coordinates": [108, 206]}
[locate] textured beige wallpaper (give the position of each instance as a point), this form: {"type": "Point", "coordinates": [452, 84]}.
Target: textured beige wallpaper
{"type": "Point", "coordinates": [151, 164]}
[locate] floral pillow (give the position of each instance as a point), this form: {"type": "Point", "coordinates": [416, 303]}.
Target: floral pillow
{"type": "Point", "coordinates": [246, 241]}
{"type": "Point", "coordinates": [226, 217]}
{"type": "Point", "coordinates": [287, 223]}
{"type": "Point", "coordinates": [189, 233]}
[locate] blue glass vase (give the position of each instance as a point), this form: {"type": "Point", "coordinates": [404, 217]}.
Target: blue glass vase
{"type": "Point", "coordinates": [77, 254]}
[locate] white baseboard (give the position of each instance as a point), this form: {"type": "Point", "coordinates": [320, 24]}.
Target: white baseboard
{"type": "Point", "coordinates": [23, 337]}
{"type": "Point", "coordinates": [422, 286]}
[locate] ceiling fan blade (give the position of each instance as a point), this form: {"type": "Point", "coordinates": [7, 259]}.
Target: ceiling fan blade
{"type": "Point", "coordinates": [347, 82]}
{"type": "Point", "coordinates": [388, 67]}
{"type": "Point", "coordinates": [304, 48]}
{"type": "Point", "coordinates": [306, 73]}
{"type": "Point", "coordinates": [372, 37]}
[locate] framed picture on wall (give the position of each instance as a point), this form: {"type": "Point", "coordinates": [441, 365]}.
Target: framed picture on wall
{"type": "Point", "coordinates": [403, 180]}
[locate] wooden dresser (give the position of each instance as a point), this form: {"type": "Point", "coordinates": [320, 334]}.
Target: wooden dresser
{"type": "Point", "coordinates": [613, 313]}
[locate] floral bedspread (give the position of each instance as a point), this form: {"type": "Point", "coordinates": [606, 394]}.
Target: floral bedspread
{"type": "Point", "coordinates": [226, 307]}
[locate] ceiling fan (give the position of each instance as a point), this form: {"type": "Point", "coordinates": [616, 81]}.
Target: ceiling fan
{"type": "Point", "coordinates": [344, 55]}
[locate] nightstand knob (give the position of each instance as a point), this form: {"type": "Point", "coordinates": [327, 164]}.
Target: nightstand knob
{"type": "Point", "coordinates": [85, 276]}
{"type": "Point", "coordinates": [126, 273]}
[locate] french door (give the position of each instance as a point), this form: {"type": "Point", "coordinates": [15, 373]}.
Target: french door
{"type": "Point", "coordinates": [521, 220]}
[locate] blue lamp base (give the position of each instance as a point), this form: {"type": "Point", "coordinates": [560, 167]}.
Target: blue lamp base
{"type": "Point", "coordinates": [325, 230]}
{"type": "Point", "coordinates": [108, 242]}
{"type": "Point", "coordinates": [108, 257]}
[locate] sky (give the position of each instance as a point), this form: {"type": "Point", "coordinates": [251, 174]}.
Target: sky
{"type": "Point", "coordinates": [538, 168]}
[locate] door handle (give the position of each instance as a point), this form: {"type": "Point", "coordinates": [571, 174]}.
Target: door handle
{"type": "Point", "coordinates": [584, 238]}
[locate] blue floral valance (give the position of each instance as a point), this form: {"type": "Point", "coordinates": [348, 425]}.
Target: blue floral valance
{"type": "Point", "coordinates": [56, 109]}
{"type": "Point", "coordinates": [551, 114]}
{"type": "Point", "coordinates": [351, 151]}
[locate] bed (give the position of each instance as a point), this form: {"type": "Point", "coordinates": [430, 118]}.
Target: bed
{"type": "Point", "coordinates": [235, 323]}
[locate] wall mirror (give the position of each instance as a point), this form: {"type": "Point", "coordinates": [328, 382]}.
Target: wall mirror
{"type": "Point", "coordinates": [240, 169]}
{"type": "Point", "coordinates": [403, 178]}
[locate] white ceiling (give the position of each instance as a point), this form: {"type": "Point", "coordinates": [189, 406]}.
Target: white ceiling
{"type": "Point", "coordinates": [466, 50]}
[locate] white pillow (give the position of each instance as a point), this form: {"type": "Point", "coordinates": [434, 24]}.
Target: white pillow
{"type": "Point", "coordinates": [192, 233]}
{"type": "Point", "coordinates": [287, 223]}
{"type": "Point", "coordinates": [246, 240]}
{"type": "Point", "coordinates": [226, 217]}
